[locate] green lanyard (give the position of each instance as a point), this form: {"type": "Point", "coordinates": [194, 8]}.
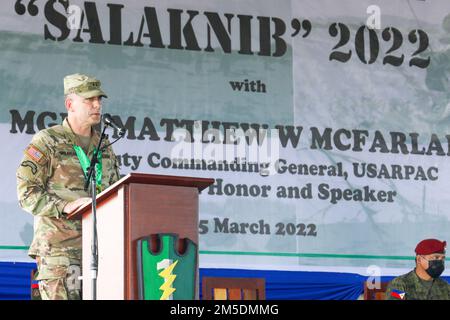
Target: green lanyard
{"type": "Point", "coordinates": [85, 163]}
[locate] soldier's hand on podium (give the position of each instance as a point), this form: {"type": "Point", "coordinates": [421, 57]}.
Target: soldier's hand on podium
{"type": "Point", "coordinates": [74, 205]}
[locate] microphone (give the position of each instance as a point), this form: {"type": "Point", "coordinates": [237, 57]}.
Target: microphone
{"type": "Point", "coordinates": [110, 122]}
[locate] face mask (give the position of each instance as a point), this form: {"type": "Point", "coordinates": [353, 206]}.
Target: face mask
{"type": "Point", "coordinates": [435, 268]}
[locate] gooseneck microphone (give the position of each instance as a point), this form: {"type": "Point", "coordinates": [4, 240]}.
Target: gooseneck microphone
{"type": "Point", "coordinates": [110, 122]}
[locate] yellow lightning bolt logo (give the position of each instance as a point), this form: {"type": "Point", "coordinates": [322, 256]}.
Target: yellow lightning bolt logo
{"type": "Point", "coordinates": [169, 278]}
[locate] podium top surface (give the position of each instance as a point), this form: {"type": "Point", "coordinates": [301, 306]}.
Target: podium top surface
{"type": "Point", "coordinates": [199, 183]}
{"type": "Point", "coordinates": [144, 178]}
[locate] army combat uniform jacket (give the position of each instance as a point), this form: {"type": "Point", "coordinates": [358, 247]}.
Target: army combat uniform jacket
{"type": "Point", "coordinates": [410, 287]}
{"type": "Point", "coordinates": [49, 177]}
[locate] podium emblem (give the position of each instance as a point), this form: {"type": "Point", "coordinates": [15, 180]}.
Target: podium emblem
{"type": "Point", "coordinates": [167, 267]}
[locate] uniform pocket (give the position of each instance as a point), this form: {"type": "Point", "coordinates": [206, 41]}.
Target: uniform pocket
{"type": "Point", "coordinates": [53, 268]}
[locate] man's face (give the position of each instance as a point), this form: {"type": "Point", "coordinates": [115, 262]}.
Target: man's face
{"type": "Point", "coordinates": [424, 259]}
{"type": "Point", "coordinates": [86, 111]}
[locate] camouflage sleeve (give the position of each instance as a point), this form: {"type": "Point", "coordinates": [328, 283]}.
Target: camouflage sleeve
{"type": "Point", "coordinates": [395, 284]}
{"type": "Point", "coordinates": [32, 176]}
{"type": "Point", "coordinates": [115, 174]}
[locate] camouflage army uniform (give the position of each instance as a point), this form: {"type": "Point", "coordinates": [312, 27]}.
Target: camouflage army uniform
{"type": "Point", "coordinates": [415, 289]}
{"type": "Point", "coordinates": [49, 177]}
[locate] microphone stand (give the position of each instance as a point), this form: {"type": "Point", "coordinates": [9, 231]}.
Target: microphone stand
{"type": "Point", "coordinates": [92, 176]}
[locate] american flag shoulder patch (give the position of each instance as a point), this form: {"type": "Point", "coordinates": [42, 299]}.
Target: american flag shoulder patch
{"type": "Point", "coordinates": [35, 154]}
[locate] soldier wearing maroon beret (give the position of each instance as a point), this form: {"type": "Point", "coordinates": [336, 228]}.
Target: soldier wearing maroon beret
{"type": "Point", "coordinates": [423, 283]}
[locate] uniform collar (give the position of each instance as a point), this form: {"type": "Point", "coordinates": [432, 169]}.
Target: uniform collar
{"type": "Point", "coordinates": [417, 276]}
{"type": "Point", "coordinates": [74, 139]}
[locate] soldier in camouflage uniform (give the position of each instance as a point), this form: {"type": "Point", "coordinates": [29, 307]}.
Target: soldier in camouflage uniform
{"type": "Point", "coordinates": [423, 283]}
{"type": "Point", "coordinates": [50, 185]}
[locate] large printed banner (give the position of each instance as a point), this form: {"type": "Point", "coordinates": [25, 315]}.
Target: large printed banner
{"type": "Point", "coordinates": [324, 123]}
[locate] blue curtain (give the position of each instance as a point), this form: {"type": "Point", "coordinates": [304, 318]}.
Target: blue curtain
{"type": "Point", "coordinates": [295, 285]}
{"type": "Point", "coordinates": [15, 282]}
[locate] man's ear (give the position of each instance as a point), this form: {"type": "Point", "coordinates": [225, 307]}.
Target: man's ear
{"type": "Point", "coordinates": [68, 103]}
{"type": "Point", "coordinates": [418, 258]}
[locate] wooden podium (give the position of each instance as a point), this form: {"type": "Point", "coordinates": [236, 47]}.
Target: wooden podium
{"type": "Point", "coordinates": [134, 207]}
